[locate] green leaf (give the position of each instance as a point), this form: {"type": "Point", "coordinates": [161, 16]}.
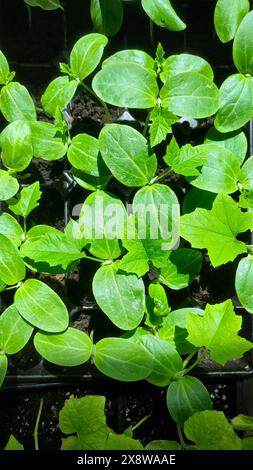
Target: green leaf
{"type": "Point", "coordinates": [41, 306]}
{"type": "Point", "coordinates": [91, 183]}
{"type": "Point", "coordinates": [185, 397]}
{"type": "Point", "coordinates": [16, 103]}
{"type": "Point", "coordinates": [181, 63]}
{"type": "Point", "coordinates": [247, 443]}
{"type": "Point", "coordinates": [10, 228]}
{"type": "Point", "coordinates": [217, 331]}
{"type": "Point", "coordinates": [3, 368]}
{"type": "Point", "coordinates": [84, 155]}
{"type": "Point", "coordinates": [190, 94]}
{"type": "Point", "coordinates": [236, 103]}
{"type": "Point", "coordinates": [235, 141]}
{"type": "Point", "coordinates": [228, 16]}
{"type": "Point", "coordinates": [243, 43]}
{"type": "Point", "coordinates": [162, 14]}
{"type": "Point", "coordinates": [13, 444]}
{"type": "Point", "coordinates": [45, 4]}
{"type": "Point", "coordinates": [126, 83]}
{"type": "Point", "coordinates": [163, 445]}
{"type": "Point", "coordinates": [122, 359]}
{"type": "Point", "coordinates": [8, 185]}
{"type": "Point", "coordinates": [86, 54]}
{"type": "Point", "coordinates": [220, 171]}
{"type": "Point", "coordinates": [2, 286]}
{"type": "Point", "coordinates": [159, 297]}
{"type": "Point", "coordinates": [132, 165]}
{"type": "Point", "coordinates": [15, 332]}
{"type": "Point", "coordinates": [122, 442]}
{"type": "Point", "coordinates": [167, 361]}
{"type": "Point", "coordinates": [162, 120]}
{"type": "Point", "coordinates": [120, 296]}
{"type": "Point", "coordinates": [198, 198]}
{"type": "Point", "coordinates": [107, 16]}
{"type": "Point", "coordinates": [217, 229]}
{"type": "Point", "coordinates": [181, 269]}
{"type": "Point", "coordinates": [102, 219]}
{"type": "Point", "coordinates": [246, 200]}
{"type": "Point", "coordinates": [71, 443]}
{"type": "Point", "coordinates": [174, 329]}
{"type": "Point", "coordinates": [131, 56]}
{"type": "Point", "coordinates": [17, 151]}
{"type": "Point", "coordinates": [142, 249]}
{"type": "Point", "coordinates": [26, 201]}
{"type": "Point", "coordinates": [243, 423]}
{"type": "Point", "coordinates": [12, 267]}
{"type": "Point", "coordinates": [210, 430]}
{"type": "Point", "coordinates": [246, 176]}
{"type": "Point", "coordinates": [53, 249]}
{"type": "Point", "coordinates": [58, 94]}
{"type": "Point", "coordinates": [85, 417]}
{"type": "Point", "coordinates": [47, 142]}
{"type": "Point", "coordinates": [157, 209]}
{"type": "Point", "coordinates": [4, 69]}
{"type": "Point", "coordinates": [68, 349]}
{"type": "Point", "coordinates": [244, 282]}
{"type": "Point", "coordinates": [187, 160]}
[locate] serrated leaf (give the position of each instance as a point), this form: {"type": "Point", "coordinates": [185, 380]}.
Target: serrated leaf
{"type": "Point", "coordinates": [120, 296]}
{"type": "Point", "coordinates": [68, 349]}
{"type": "Point", "coordinates": [133, 165]}
{"type": "Point", "coordinates": [218, 331]}
{"type": "Point", "coordinates": [58, 94]}
{"type": "Point", "coordinates": [181, 268]}
{"type": "Point", "coordinates": [41, 306]}
{"type": "Point", "coordinates": [211, 430]}
{"type": "Point", "coordinates": [86, 54]}
{"type": "Point", "coordinates": [185, 397]}
{"type": "Point", "coordinates": [217, 229]}
{"type": "Point", "coordinates": [228, 16]}
{"type": "Point", "coordinates": [190, 94]}
{"type": "Point", "coordinates": [236, 103]}
{"type": "Point", "coordinates": [122, 359]}
{"type": "Point", "coordinates": [162, 120]}
{"type": "Point", "coordinates": [15, 332]}
{"type": "Point", "coordinates": [26, 201]}
{"type": "Point", "coordinates": [8, 185]}
{"type": "Point", "coordinates": [10, 228]}
{"type": "Point", "coordinates": [187, 160]}
{"type": "Point", "coordinates": [244, 282]}
{"type": "Point", "coordinates": [162, 13]}
{"type": "Point", "coordinates": [12, 267]}
{"type": "Point", "coordinates": [16, 103]}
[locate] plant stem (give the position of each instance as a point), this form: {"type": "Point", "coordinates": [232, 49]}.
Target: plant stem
{"type": "Point", "coordinates": [92, 258]}
{"type": "Point", "coordinates": [25, 226]}
{"type": "Point", "coordinates": [187, 360]}
{"type": "Point", "coordinates": [35, 434]}
{"type": "Point", "coordinates": [151, 31]}
{"type": "Point", "coordinates": [195, 362]}
{"type": "Point", "coordinates": [145, 130]}
{"type": "Point", "coordinates": [87, 88]}
{"type": "Point", "coordinates": [142, 421]}
{"type": "Point", "coordinates": [181, 437]}
{"type": "Point", "coordinates": [12, 287]}
{"type": "Point", "coordinates": [163, 175]}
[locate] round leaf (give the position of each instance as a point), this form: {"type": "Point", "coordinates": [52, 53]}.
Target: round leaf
{"type": "Point", "coordinates": [86, 54]}
{"type": "Point", "coordinates": [68, 349]}
{"type": "Point", "coordinates": [162, 14]}
{"type": "Point", "coordinates": [15, 332]}
{"type": "Point", "coordinates": [181, 63]}
{"type": "Point", "coordinates": [46, 141]}
{"type": "Point", "coordinates": [16, 103]}
{"type": "Point", "coordinates": [12, 267]}
{"type": "Point", "coordinates": [246, 177]}
{"type": "Point", "coordinates": [120, 296]}
{"type": "Point", "coordinates": [122, 359]}
{"type": "Point", "coordinates": [107, 16]}
{"type": "Point", "coordinates": [235, 141]}
{"type": "Point", "coordinates": [228, 16]}
{"type": "Point", "coordinates": [10, 228]}
{"type": "Point", "coordinates": [17, 150]}
{"type": "Point", "coordinates": [243, 44]}
{"type": "Point", "coordinates": [84, 155]}
{"type": "Point", "coordinates": [190, 94]}
{"type": "Point", "coordinates": [8, 186]}
{"type": "Point", "coordinates": [244, 282]}
{"type": "Point", "coordinates": [58, 94]}
{"type": "Point", "coordinates": [41, 306]}
{"type": "Point", "coordinates": [185, 397]}
{"type": "Point", "coordinates": [132, 165]}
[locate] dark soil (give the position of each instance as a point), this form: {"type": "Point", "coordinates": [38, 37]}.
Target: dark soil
{"type": "Point", "coordinates": [126, 405]}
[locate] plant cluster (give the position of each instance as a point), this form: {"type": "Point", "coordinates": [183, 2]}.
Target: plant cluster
{"type": "Point", "coordinates": [155, 342]}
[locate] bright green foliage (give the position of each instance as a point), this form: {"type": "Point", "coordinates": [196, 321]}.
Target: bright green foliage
{"type": "Point", "coordinates": [10, 228]}
{"type": "Point", "coordinates": [107, 16]}
{"type": "Point", "coordinates": [162, 13]}
{"type": "Point", "coordinates": [244, 282]}
{"type": "Point", "coordinates": [181, 268]}
{"type": "Point", "coordinates": [12, 267]}
{"type": "Point", "coordinates": [15, 332]}
{"type": "Point", "coordinates": [162, 119]}
{"type": "Point", "coordinates": [243, 43]}
{"type": "Point", "coordinates": [16, 103]}
{"type": "Point", "coordinates": [228, 16]}
{"type": "Point", "coordinates": [8, 185]}
{"type": "Point", "coordinates": [26, 201]}
{"type": "Point", "coordinates": [86, 54]}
